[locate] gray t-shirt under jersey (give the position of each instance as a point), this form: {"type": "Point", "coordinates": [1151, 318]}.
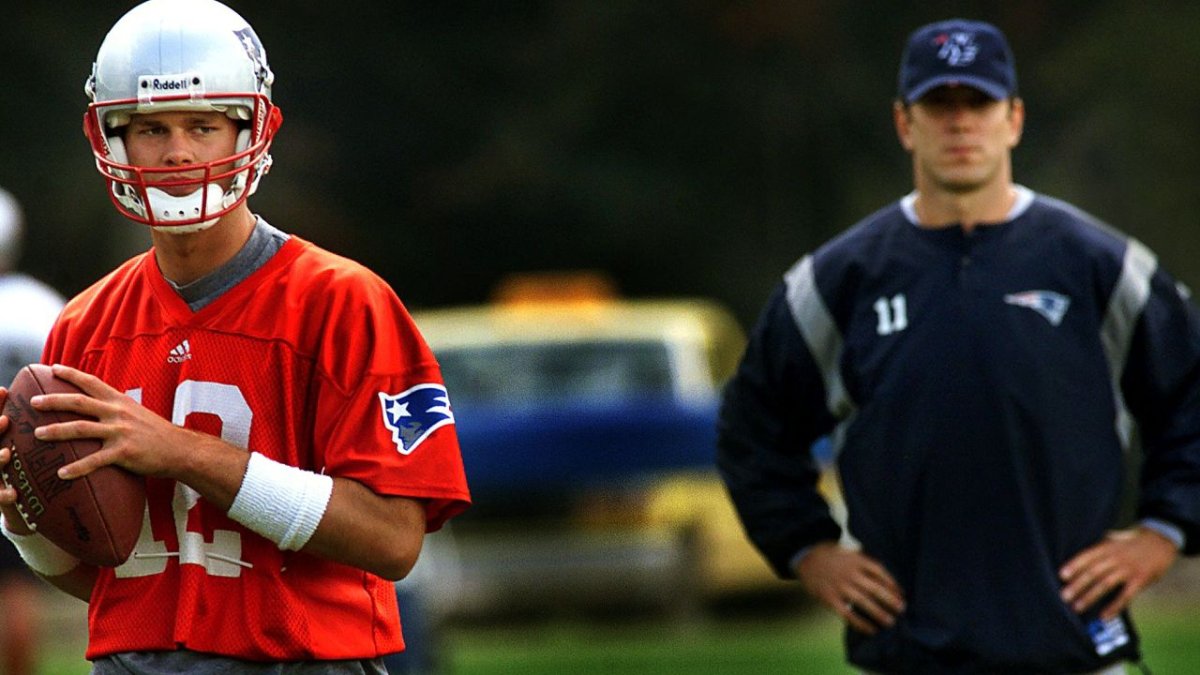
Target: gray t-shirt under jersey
{"type": "Point", "coordinates": [265, 241]}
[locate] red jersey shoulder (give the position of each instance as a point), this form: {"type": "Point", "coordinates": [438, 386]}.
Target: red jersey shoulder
{"type": "Point", "coordinates": [336, 282]}
{"type": "Point", "coordinates": [366, 329]}
{"type": "Point", "coordinates": [91, 315]}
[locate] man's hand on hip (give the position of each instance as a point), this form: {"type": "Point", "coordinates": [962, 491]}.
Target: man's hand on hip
{"type": "Point", "coordinates": [852, 584]}
{"type": "Point", "coordinates": [1129, 560]}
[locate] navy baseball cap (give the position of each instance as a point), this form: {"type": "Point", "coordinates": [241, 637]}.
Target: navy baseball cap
{"type": "Point", "coordinates": [957, 52]}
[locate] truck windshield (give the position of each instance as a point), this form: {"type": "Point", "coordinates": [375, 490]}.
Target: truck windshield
{"type": "Point", "coordinates": [566, 372]}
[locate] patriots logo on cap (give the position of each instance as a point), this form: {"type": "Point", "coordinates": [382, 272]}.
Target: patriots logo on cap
{"type": "Point", "coordinates": [1053, 306]}
{"type": "Point", "coordinates": [957, 49]}
{"type": "Point", "coordinates": [414, 414]}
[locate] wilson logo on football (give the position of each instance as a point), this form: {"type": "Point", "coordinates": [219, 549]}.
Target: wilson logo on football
{"type": "Point", "coordinates": [182, 352]}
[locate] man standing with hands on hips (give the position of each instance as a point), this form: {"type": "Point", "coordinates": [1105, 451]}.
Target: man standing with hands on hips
{"type": "Point", "coordinates": [985, 358]}
{"type": "Point", "coordinates": [291, 424]}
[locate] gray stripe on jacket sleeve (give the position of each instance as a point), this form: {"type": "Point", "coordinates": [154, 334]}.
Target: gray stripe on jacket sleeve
{"type": "Point", "coordinates": [1128, 299]}
{"type": "Point", "coordinates": [819, 331]}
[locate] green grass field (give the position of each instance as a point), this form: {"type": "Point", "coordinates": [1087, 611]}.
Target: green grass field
{"type": "Point", "coordinates": [801, 644]}
{"type": "Point", "coordinates": [807, 642]}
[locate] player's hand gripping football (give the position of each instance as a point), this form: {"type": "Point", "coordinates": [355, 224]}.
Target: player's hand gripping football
{"type": "Point", "coordinates": [8, 495]}
{"type": "Point", "coordinates": [1129, 560]}
{"type": "Point", "coordinates": [134, 437]}
{"type": "Point", "coordinates": [854, 585]}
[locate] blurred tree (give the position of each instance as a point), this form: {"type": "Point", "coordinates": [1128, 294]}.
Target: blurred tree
{"type": "Point", "coordinates": [685, 147]}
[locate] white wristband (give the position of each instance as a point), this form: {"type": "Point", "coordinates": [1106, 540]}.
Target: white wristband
{"type": "Point", "coordinates": [39, 553]}
{"type": "Point", "coordinates": [282, 503]}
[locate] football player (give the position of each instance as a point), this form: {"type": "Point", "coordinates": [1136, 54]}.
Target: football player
{"type": "Point", "coordinates": [291, 424]}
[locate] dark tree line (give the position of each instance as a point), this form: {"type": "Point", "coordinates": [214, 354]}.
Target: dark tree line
{"type": "Point", "coordinates": [683, 147]}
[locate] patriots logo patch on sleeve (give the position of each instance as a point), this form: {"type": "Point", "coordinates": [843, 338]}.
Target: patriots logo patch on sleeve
{"type": "Point", "coordinates": [415, 413]}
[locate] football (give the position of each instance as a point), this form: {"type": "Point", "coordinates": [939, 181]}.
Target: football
{"type": "Point", "coordinates": [96, 518]}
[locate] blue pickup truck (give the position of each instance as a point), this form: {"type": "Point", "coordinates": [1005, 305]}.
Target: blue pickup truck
{"type": "Point", "coordinates": [587, 426]}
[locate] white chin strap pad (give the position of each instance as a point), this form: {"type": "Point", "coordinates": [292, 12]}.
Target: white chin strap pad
{"type": "Point", "coordinates": [166, 208]}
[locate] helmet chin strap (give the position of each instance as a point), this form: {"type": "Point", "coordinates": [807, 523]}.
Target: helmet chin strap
{"type": "Point", "coordinates": [167, 207]}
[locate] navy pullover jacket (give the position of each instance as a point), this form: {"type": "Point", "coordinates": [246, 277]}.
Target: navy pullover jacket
{"type": "Point", "coordinates": [983, 392]}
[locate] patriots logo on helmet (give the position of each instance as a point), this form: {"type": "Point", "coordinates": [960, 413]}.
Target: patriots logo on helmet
{"type": "Point", "coordinates": [414, 414]}
{"type": "Point", "coordinates": [255, 51]}
{"type": "Point", "coordinates": [1053, 306]}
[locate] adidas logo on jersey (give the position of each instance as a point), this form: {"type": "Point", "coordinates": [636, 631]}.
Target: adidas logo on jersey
{"type": "Point", "coordinates": [181, 352]}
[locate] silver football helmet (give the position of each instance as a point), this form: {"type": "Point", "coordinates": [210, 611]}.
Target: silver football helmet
{"type": "Point", "coordinates": [172, 55]}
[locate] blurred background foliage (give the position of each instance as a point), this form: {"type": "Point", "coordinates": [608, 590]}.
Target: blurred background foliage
{"type": "Point", "coordinates": [685, 147]}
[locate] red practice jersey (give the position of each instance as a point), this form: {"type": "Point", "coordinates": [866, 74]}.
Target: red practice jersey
{"type": "Point", "coordinates": [311, 361]}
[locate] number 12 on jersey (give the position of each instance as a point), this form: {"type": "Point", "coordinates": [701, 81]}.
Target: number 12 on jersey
{"type": "Point", "coordinates": [222, 556]}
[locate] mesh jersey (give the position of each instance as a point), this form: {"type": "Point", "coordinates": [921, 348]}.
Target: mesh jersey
{"type": "Point", "coordinates": [290, 363]}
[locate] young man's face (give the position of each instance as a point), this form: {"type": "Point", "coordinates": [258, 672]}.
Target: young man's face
{"type": "Point", "coordinates": [177, 140]}
{"type": "Point", "coordinates": [960, 138]}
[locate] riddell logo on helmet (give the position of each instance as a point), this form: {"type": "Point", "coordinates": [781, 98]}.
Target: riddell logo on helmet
{"type": "Point", "coordinates": [150, 85]}
{"type": "Point", "coordinates": [180, 84]}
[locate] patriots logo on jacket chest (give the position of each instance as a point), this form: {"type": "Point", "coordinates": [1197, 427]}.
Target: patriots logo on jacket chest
{"type": "Point", "coordinates": [1052, 306]}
